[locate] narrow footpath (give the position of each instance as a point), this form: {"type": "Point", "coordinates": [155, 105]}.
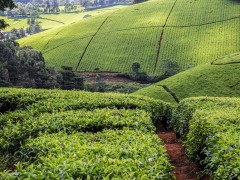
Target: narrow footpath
{"type": "Point", "coordinates": [184, 168]}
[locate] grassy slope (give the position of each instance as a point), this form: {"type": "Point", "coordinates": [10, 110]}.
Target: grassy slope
{"type": "Point", "coordinates": [49, 21]}
{"type": "Point", "coordinates": [220, 78]}
{"type": "Point", "coordinates": [196, 32]}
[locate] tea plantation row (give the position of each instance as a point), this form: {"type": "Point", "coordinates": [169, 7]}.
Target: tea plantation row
{"type": "Point", "coordinates": [79, 135]}
{"type": "Point", "coordinates": [210, 128]}
{"type": "Point", "coordinates": [54, 134]}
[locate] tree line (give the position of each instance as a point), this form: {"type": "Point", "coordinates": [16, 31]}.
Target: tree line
{"type": "Point", "coordinates": [25, 67]}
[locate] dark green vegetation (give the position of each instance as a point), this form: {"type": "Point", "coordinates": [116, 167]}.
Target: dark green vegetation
{"type": "Point", "coordinates": [25, 67]}
{"type": "Point", "coordinates": [186, 31]}
{"type": "Point", "coordinates": [218, 78]}
{"type": "Point", "coordinates": [3, 5]}
{"type": "Point", "coordinates": [210, 129]}
{"type": "Point", "coordinates": [61, 134]}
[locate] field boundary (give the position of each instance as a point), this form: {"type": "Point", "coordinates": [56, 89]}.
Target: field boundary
{"type": "Point", "coordinates": [171, 93]}
{"type": "Point", "coordinates": [161, 37]}
{"type": "Point", "coordinates": [66, 43]}
{"type": "Point", "coordinates": [142, 27]}
{"type": "Point", "coordinates": [85, 50]}
{"type": "Point", "coordinates": [52, 20]}
{"type": "Point", "coordinates": [222, 64]}
{"type": "Point", "coordinates": [44, 47]}
{"type": "Point", "coordinates": [204, 24]}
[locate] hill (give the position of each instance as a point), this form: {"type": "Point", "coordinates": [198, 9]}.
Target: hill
{"type": "Point", "coordinates": [218, 78]}
{"type": "Point", "coordinates": [187, 31]}
{"type": "Point", "coordinates": [49, 21]}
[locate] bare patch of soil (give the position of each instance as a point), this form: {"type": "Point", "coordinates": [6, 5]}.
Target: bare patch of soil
{"type": "Point", "coordinates": [90, 77]}
{"type": "Point", "coordinates": [184, 169]}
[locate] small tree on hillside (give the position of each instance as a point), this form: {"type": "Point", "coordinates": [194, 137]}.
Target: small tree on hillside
{"type": "Point", "coordinates": [3, 5]}
{"type": "Point", "coordinates": [138, 1]}
{"type": "Point", "coordinates": [169, 67]}
{"type": "Point", "coordinates": [70, 80]}
{"type": "Point", "coordinates": [135, 67]}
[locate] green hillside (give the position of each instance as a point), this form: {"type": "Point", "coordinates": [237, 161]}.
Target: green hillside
{"type": "Point", "coordinates": [49, 21]}
{"type": "Point", "coordinates": [219, 78]}
{"type": "Point", "coordinates": [187, 31]}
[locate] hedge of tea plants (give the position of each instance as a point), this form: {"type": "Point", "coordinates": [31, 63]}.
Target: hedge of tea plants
{"type": "Point", "coordinates": [210, 129]}
{"type": "Point", "coordinates": [55, 134]}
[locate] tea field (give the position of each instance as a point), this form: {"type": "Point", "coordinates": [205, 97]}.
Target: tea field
{"type": "Point", "coordinates": [186, 31]}
{"type": "Point", "coordinates": [55, 134]}
{"type": "Point", "coordinates": [209, 127]}
{"type": "Point", "coordinates": [218, 78]}
{"type": "Point", "coordinates": [70, 134]}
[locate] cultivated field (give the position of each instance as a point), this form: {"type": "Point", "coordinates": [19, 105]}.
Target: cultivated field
{"type": "Point", "coordinates": [189, 32]}
{"type": "Point", "coordinates": [218, 78]}
{"type": "Point", "coordinates": [54, 134]}
{"type": "Point", "coordinates": [71, 134]}
{"type": "Point", "coordinates": [209, 128]}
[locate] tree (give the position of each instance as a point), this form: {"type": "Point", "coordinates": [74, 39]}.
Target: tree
{"type": "Point", "coordinates": [100, 84]}
{"type": "Point", "coordinates": [169, 67]}
{"type": "Point", "coordinates": [47, 7]}
{"type": "Point", "coordinates": [136, 67]}
{"type": "Point", "coordinates": [24, 67]}
{"type": "Point", "coordinates": [70, 80]}
{"type": "Point", "coordinates": [55, 7]}
{"type": "Point", "coordinates": [3, 5]}
{"type": "Point", "coordinates": [138, 1]}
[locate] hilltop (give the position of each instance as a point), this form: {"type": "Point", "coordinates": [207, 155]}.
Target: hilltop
{"type": "Point", "coordinates": [188, 32]}
{"type": "Point", "coordinates": [218, 78]}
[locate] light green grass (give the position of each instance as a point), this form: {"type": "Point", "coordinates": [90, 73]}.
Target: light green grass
{"type": "Point", "coordinates": [128, 45]}
{"type": "Point", "coordinates": [49, 21]}
{"type": "Point", "coordinates": [204, 80]}
{"type": "Point", "coordinates": [191, 46]}
{"type": "Point", "coordinates": [196, 32]}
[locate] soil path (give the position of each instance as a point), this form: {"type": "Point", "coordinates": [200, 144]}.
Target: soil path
{"type": "Point", "coordinates": [106, 76]}
{"type": "Point", "coordinates": [184, 169]}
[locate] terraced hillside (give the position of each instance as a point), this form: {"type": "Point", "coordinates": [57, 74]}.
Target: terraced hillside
{"type": "Point", "coordinates": [218, 78]}
{"type": "Point", "coordinates": [187, 31]}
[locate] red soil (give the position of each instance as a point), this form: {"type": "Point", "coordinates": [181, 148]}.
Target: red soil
{"type": "Point", "coordinates": [184, 169]}
{"type": "Point", "coordinates": [106, 76]}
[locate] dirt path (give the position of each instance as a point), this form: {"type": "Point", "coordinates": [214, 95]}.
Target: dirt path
{"type": "Point", "coordinates": [90, 77]}
{"type": "Point", "coordinates": [184, 168]}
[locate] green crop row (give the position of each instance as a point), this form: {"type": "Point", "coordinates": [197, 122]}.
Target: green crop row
{"type": "Point", "coordinates": [13, 134]}
{"type": "Point", "coordinates": [56, 134]}
{"type": "Point", "coordinates": [11, 99]}
{"type": "Point", "coordinates": [42, 101]}
{"type": "Point", "coordinates": [191, 12]}
{"type": "Point", "coordinates": [210, 130]}
{"type": "Point", "coordinates": [207, 29]}
{"type": "Point", "coordinates": [214, 140]}
{"type": "Point", "coordinates": [111, 154]}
